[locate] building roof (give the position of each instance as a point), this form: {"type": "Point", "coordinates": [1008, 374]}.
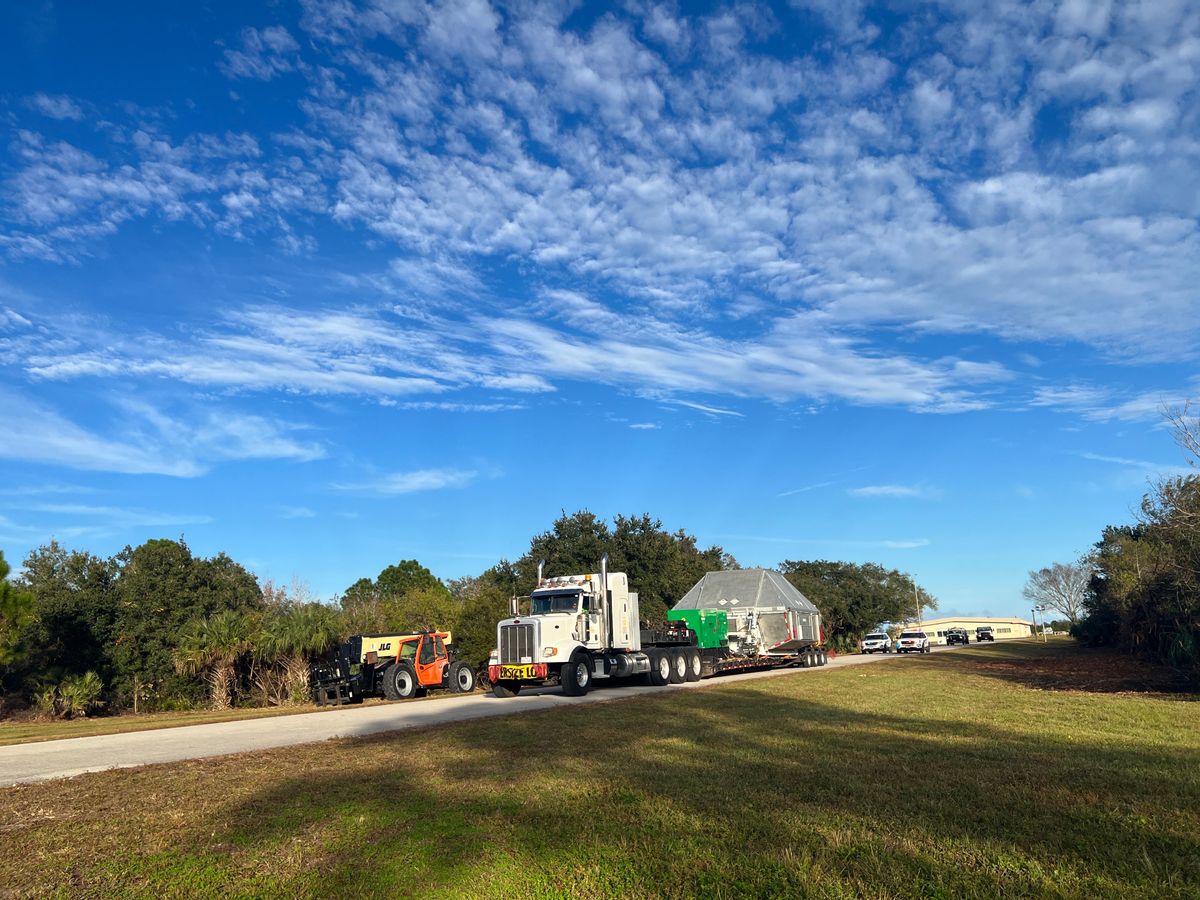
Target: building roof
{"type": "Point", "coordinates": [745, 589]}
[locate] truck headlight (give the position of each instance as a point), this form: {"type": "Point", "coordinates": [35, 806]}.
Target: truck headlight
{"type": "Point", "coordinates": [549, 651]}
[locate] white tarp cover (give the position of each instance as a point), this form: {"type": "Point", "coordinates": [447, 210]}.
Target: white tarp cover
{"type": "Point", "coordinates": [751, 588]}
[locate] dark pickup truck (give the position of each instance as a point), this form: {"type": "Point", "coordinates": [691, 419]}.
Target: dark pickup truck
{"type": "Point", "coordinates": [957, 636]}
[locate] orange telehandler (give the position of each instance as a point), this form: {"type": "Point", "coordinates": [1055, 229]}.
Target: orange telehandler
{"type": "Point", "coordinates": [395, 666]}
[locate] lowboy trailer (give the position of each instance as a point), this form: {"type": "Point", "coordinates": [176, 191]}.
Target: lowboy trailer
{"type": "Point", "coordinates": [584, 628]}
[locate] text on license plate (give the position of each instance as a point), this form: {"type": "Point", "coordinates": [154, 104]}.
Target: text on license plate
{"type": "Point", "coordinates": [515, 672]}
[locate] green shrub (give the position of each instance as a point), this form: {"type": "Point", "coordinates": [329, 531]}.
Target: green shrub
{"type": "Point", "coordinates": [45, 702]}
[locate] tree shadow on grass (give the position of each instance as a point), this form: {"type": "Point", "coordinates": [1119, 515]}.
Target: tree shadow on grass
{"type": "Point", "coordinates": [731, 793]}
{"type": "Point", "coordinates": [1063, 666]}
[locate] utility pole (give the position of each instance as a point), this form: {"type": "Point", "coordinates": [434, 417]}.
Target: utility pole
{"type": "Point", "coordinates": [1042, 609]}
{"type": "Point", "coordinates": [917, 600]}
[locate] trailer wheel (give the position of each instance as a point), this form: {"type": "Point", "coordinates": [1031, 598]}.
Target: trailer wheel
{"type": "Point", "coordinates": [462, 678]}
{"type": "Point", "coordinates": [694, 665]}
{"type": "Point", "coordinates": [576, 675]}
{"type": "Point", "coordinates": [679, 667]}
{"type": "Point", "coordinates": [506, 689]}
{"type": "Point", "coordinates": [824, 661]}
{"type": "Point", "coordinates": [403, 679]}
{"type": "Point", "coordinates": [660, 668]}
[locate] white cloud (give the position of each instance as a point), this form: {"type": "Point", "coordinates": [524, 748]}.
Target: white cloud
{"type": "Point", "coordinates": [262, 54]}
{"type": "Point", "coordinates": [791, 195]}
{"type": "Point", "coordinates": [920, 492]}
{"type": "Point", "coordinates": [850, 543]}
{"type": "Point", "coordinates": [296, 512]}
{"type": "Point", "coordinates": [121, 518]}
{"type": "Point", "coordinates": [1143, 468]}
{"type": "Point", "coordinates": [149, 442]}
{"type": "Point", "coordinates": [49, 438]}
{"type": "Point", "coordinates": [56, 107]}
{"type": "Point", "coordinates": [1101, 404]}
{"type": "Point", "coordinates": [398, 483]}
{"type": "Point", "coordinates": [645, 426]}
{"type": "Point", "coordinates": [388, 354]}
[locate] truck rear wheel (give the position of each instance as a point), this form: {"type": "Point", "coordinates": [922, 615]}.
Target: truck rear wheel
{"type": "Point", "coordinates": [660, 668]}
{"type": "Point", "coordinates": [506, 689]}
{"type": "Point", "coordinates": [462, 678]}
{"type": "Point", "coordinates": [403, 680]}
{"type": "Point", "coordinates": [576, 675]}
{"type": "Point", "coordinates": [695, 665]}
{"type": "Point", "coordinates": [679, 667]}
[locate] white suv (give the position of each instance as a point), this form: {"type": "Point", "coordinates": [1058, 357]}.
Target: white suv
{"type": "Point", "coordinates": [876, 642]}
{"type": "Point", "coordinates": [912, 641]}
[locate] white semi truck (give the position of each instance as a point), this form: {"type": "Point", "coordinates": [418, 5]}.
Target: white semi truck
{"type": "Point", "coordinates": [585, 628]}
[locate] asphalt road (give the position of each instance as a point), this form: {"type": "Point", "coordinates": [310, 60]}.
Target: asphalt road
{"type": "Point", "coordinates": [44, 760]}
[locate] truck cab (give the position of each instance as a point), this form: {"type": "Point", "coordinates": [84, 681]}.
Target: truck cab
{"type": "Point", "coordinates": [573, 621]}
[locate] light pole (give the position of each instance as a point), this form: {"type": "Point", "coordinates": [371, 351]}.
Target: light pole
{"type": "Point", "coordinates": [1042, 610]}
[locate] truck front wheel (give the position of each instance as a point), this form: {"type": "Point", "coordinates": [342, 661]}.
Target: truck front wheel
{"type": "Point", "coordinates": [505, 689]}
{"type": "Point", "coordinates": [576, 675]}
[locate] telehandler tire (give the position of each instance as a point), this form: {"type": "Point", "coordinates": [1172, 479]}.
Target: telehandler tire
{"type": "Point", "coordinates": [462, 678]}
{"type": "Point", "coordinates": [403, 679]}
{"type": "Point", "coordinates": [384, 679]}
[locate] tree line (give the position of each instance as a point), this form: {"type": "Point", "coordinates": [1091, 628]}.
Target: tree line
{"type": "Point", "coordinates": [157, 627]}
{"type": "Point", "coordinates": [1138, 587]}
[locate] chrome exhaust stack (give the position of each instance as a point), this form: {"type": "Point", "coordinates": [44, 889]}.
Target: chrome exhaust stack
{"type": "Point", "coordinates": [605, 610]}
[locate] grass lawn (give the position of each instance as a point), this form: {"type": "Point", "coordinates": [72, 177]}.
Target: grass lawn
{"type": "Point", "coordinates": [993, 771]}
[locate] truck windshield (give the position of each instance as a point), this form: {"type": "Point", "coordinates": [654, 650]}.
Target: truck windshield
{"type": "Point", "coordinates": [555, 603]}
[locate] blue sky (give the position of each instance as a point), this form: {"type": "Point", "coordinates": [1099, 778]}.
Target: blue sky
{"type": "Point", "coordinates": [328, 285]}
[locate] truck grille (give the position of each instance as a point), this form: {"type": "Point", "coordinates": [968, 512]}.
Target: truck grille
{"type": "Point", "coordinates": [516, 641]}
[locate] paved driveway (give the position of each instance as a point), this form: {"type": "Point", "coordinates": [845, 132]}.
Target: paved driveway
{"type": "Point", "coordinates": [74, 756]}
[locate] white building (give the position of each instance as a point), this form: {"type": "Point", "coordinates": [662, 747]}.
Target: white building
{"type": "Point", "coordinates": [1003, 628]}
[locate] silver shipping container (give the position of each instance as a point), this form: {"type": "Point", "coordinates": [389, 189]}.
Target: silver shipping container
{"type": "Point", "coordinates": [767, 615]}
